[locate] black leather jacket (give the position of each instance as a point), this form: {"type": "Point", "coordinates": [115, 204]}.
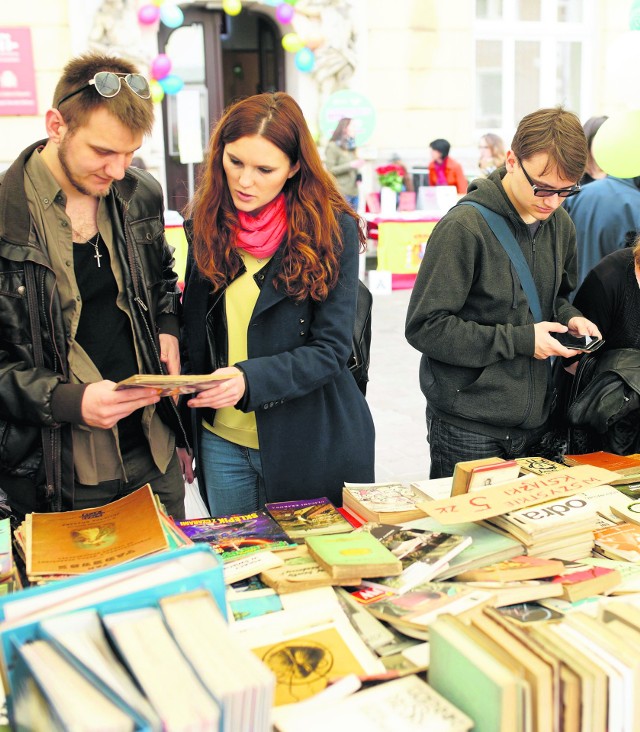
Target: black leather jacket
{"type": "Point", "coordinates": [36, 454]}
{"type": "Point", "coordinates": [608, 401]}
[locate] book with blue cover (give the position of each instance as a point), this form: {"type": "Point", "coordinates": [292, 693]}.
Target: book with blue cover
{"type": "Point", "coordinates": [140, 583]}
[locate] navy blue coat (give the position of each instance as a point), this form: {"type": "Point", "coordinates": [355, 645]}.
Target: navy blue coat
{"type": "Point", "coordinates": [315, 429]}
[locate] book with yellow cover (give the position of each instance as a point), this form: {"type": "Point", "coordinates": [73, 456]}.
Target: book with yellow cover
{"type": "Point", "coordinates": [75, 542]}
{"type": "Point", "coordinates": [168, 385]}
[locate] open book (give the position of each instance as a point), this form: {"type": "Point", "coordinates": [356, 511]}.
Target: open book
{"type": "Point", "coordinates": [168, 385]}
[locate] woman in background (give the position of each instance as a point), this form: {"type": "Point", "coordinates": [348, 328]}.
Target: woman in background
{"type": "Point", "coordinates": [443, 170]}
{"type": "Point", "coordinates": [492, 154]}
{"type": "Point", "coordinates": [270, 301]}
{"type": "Point", "coordinates": [343, 162]}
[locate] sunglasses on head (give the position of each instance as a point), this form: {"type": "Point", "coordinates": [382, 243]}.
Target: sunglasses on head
{"type": "Point", "coordinates": [109, 83]}
{"type": "Point", "coordinates": [547, 192]}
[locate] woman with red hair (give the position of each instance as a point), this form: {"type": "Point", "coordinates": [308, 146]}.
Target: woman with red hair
{"type": "Point", "coordinates": [270, 302]}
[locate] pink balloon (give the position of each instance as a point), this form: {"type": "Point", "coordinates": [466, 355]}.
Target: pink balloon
{"type": "Point", "coordinates": [160, 66]}
{"type": "Point", "coordinates": [284, 13]}
{"type": "Point", "coordinates": [148, 14]}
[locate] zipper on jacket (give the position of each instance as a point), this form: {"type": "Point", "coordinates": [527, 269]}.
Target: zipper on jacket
{"type": "Point", "coordinates": [138, 300]}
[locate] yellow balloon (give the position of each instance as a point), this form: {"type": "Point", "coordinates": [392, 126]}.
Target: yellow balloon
{"type": "Point", "coordinates": [292, 42]}
{"type": "Point", "coordinates": [231, 7]}
{"type": "Point", "coordinates": [615, 146]}
{"type": "Point", "coordinates": [157, 3]}
{"type": "Point", "coordinates": [157, 92]}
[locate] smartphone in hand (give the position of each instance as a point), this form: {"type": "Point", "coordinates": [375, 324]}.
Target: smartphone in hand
{"type": "Point", "coordinates": [585, 343]}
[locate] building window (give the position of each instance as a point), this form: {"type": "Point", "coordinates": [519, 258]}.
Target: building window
{"type": "Point", "coordinates": [531, 54]}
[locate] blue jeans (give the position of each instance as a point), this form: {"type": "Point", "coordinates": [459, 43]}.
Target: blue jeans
{"type": "Point", "coordinates": [449, 444]}
{"type": "Point", "coordinates": [232, 476]}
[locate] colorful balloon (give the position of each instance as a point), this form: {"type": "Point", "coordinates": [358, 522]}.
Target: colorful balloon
{"type": "Point", "coordinates": [171, 16]}
{"type": "Point", "coordinates": [231, 7]}
{"type": "Point", "coordinates": [284, 13]}
{"type": "Point", "coordinates": [171, 84]}
{"type": "Point", "coordinates": [615, 146]}
{"type": "Point", "coordinates": [157, 92]}
{"type": "Point", "coordinates": [305, 59]}
{"type": "Point", "coordinates": [148, 14]}
{"type": "Point", "coordinates": [160, 66]}
{"type": "Point", "coordinates": [292, 42]}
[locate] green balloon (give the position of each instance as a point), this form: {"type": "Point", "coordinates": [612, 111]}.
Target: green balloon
{"type": "Point", "coordinates": [615, 146]}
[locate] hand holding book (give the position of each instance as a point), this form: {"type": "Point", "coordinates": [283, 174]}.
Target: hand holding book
{"type": "Point", "coordinates": [168, 385]}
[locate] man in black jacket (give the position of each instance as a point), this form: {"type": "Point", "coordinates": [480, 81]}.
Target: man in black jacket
{"type": "Point", "coordinates": [88, 297]}
{"type": "Point", "coordinates": [484, 368]}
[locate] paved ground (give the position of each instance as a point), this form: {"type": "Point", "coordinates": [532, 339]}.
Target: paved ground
{"type": "Point", "coordinates": [394, 396]}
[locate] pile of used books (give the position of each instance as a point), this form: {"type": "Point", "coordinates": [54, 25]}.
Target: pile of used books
{"type": "Point", "coordinates": [506, 597]}
{"type": "Point", "coordinates": [53, 546]}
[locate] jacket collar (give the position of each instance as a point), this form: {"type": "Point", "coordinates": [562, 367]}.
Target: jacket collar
{"type": "Point", "coordinates": [15, 219]}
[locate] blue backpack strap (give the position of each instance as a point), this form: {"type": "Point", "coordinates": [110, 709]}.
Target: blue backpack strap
{"type": "Point", "coordinates": [503, 234]}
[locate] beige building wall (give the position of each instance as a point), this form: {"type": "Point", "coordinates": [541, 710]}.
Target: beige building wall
{"type": "Point", "coordinates": [415, 64]}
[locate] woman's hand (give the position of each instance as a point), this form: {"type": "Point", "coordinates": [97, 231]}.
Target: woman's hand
{"type": "Point", "coordinates": [220, 394]}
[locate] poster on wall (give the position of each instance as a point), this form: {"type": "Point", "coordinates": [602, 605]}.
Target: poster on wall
{"type": "Point", "coordinates": [17, 76]}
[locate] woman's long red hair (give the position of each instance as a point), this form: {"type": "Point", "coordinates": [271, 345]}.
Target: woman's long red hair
{"type": "Point", "coordinates": [313, 245]}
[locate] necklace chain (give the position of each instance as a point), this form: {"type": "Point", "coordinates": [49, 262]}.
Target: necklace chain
{"type": "Point", "coordinates": [93, 240]}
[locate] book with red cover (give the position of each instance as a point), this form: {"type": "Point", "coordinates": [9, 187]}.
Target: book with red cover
{"type": "Point", "coordinates": [579, 581]}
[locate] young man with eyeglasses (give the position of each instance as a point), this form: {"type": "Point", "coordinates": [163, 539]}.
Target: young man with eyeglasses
{"type": "Point", "coordinates": [88, 297]}
{"type": "Point", "coordinates": [484, 367]}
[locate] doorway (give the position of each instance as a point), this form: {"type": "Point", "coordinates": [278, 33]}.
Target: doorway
{"type": "Point", "coordinates": [220, 59]}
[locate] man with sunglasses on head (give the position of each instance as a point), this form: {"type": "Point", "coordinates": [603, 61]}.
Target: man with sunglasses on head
{"type": "Point", "coordinates": [485, 368]}
{"type": "Point", "coordinates": [88, 297]}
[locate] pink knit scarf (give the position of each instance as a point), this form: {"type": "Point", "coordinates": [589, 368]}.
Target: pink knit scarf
{"type": "Point", "coordinates": [261, 235]}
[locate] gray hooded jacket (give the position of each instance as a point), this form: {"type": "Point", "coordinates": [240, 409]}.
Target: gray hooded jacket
{"type": "Point", "coordinates": [469, 316]}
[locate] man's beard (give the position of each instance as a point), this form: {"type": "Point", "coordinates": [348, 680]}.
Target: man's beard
{"type": "Point", "coordinates": [62, 157]}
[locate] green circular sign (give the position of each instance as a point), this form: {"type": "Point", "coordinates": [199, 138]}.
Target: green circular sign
{"type": "Point", "coordinates": [347, 103]}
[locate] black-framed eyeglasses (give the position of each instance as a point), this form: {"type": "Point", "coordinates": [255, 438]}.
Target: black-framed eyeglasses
{"type": "Point", "coordinates": [545, 192]}
{"type": "Point", "coordinates": [109, 83]}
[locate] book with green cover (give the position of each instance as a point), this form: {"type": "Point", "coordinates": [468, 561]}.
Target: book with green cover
{"type": "Point", "coordinates": [358, 554]}
{"type": "Point", "coordinates": [474, 679]}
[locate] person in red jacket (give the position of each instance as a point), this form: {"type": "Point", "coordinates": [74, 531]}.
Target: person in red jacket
{"type": "Point", "coordinates": [443, 170]}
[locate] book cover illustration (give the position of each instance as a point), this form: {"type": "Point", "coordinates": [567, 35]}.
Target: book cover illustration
{"type": "Point", "coordinates": [621, 541]}
{"type": "Point", "coordinates": [306, 664]}
{"type": "Point", "coordinates": [423, 553]}
{"type": "Point", "coordinates": [237, 534]}
{"type": "Point", "coordinates": [307, 517]}
{"type": "Point", "coordinates": [75, 542]}
{"type": "Point", "coordinates": [383, 498]}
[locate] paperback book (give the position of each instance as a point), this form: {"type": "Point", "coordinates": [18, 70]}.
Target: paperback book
{"type": "Point", "coordinates": [579, 581]}
{"type": "Point", "coordinates": [235, 535]}
{"type": "Point", "coordinates": [390, 503]}
{"type": "Point", "coordinates": [424, 554]}
{"type": "Point", "coordinates": [308, 517]}
{"type": "Point", "coordinates": [358, 554]}
{"type": "Point", "coordinates": [76, 542]}
{"type": "Point", "coordinates": [172, 385]}
{"type": "Point", "coordinates": [523, 567]}
{"type": "Point", "coordinates": [413, 611]}
{"type": "Point", "coordinates": [470, 475]}
{"type": "Point", "coordinates": [299, 571]}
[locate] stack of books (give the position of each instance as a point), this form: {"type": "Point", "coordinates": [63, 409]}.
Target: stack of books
{"type": "Point", "coordinates": [177, 663]}
{"type": "Point", "coordinates": [388, 503]}
{"type": "Point", "coordinates": [63, 544]}
{"type": "Point", "coordinates": [562, 529]}
{"type": "Point", "coordinates": [579, 672]}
